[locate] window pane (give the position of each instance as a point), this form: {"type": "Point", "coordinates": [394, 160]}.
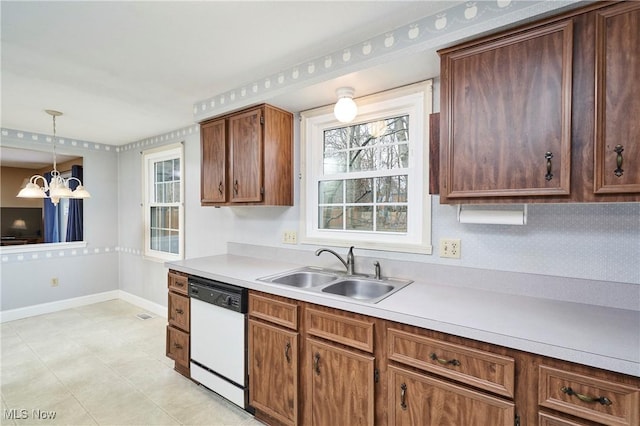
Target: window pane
{"type": "Point", "coordinates": [154, 243]}
{"type": "Point", "coordinates": [397, 130]}
{"type": "Point", "coordinates": [359, 190]}
{"type": "Point", "coordinates": [159, 193]}
{"type": "Point", "coordinates": [360, 218]}
{"type": "Point", "coordinates": [154, 217]}
{"type": "Point", "coordinates": [330, 192]}
{"type": "Point", "coordinates": [168, 192]}
{"type": "Point", "coordinates": [174, 242]}
{"type": "Point", "coordinates": [330, 218]}
{"type": "Point", "coordinates": [335, 162]}
{"type": "Point", "coordinates": [362, 160]}
{"type": "Point", "coordinates": [176, 169]}
{"type": "Point", "coordinates": [164, 240]}
{"type": "Point", "coordinates": [176, 192]}
{"type": "Point", "coordinates": [391, 218]}
{"type": "Point", "coordinates": [391, 189]}
{"type": "Point", "coordinates": [335, 139]}
{"type": "Point", "coordinates": [158, 171]}
{"type": "Point", "coordinates": [175, 214]}
{"type": "Point", "coordinates": [394, 156]}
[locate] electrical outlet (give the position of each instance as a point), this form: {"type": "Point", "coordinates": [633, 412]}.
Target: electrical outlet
{"type": "Point", "coordinates": [450, 247]}
{"type": "Point", "coordinates": [54, 282]}
{"type": "Point", "coordinates": [290, 237]}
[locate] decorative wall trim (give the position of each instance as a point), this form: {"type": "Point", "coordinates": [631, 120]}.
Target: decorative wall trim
{"type": "Point", "coordinates": [60, 305]}
{"type": "Point", "coordinates": [462, 21]}
{"type": "Point", "coordinates": [36, 139]}
{"type": "Point", "coordinates": [55, 251]}
{"type": "Point", "coordinates": [162, 139]}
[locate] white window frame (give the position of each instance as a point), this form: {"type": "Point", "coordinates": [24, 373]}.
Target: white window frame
{"type": "Point", "coordinates": [149, 157]}
{"type": "Point", "coordinates": [414, 100]}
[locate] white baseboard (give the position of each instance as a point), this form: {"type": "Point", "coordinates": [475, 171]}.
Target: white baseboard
{"type": "Point", "coordinates": [60, 305]}
{"type": "Point", "coordinates": [145, 304]}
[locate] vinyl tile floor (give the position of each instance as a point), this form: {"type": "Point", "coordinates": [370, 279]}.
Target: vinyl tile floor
{"type": "Point", "coordinates": [100, 365]}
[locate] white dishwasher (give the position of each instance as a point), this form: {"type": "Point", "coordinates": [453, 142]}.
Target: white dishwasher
{"type": "Point", "coordinates": [219, 338]}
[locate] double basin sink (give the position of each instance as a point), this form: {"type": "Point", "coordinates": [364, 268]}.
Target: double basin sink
{"type": "Point", "coordinates": [329, 282]}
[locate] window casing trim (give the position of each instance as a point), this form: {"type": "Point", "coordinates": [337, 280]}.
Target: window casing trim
{"type": "Point", "coordinates": [415, 99]}
{"type": "Point", "coordinates": [149, 157]}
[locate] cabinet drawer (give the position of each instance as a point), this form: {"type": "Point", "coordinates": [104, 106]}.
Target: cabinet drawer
{"type": "Point", "coordinates": [276, 311]}
{"type": "Point", "coordinates": [484, 370]}
{"type": "Point", "coordinates": [603, 401]}
{"type": "Point", "coordinates": [178, 311]}
{"type": "Point", "coordinates": [178, 346]}
{"type": "Point", "coordinates": [545, 419]}
{"type": "Point", "coordinates": [341, 329]}
{"type": "Point", "coordinates": [178, 281]}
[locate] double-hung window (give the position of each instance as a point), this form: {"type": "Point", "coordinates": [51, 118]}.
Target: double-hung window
{"type": "Point", "coordinates": [163, 205]}
{"type": "Point", "coordinates": [365, 183]}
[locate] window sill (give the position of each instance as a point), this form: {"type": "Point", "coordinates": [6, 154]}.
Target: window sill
{"type": "Point", "coordinates": [369, 245]}
{"type": "Point", "coordinates": [32, 248]}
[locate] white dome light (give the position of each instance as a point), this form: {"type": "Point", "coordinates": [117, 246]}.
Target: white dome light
{"type": "Point", "coordinates": [345, 109]}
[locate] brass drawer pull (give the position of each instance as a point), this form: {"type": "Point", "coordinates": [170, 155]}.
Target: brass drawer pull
{"type": "Point", "coordinates": [548, 156]}
{"type": "Point", "coordinates": [287, 350]}
{"type": "Point", "coordinates": [585, 398]}
{"type": "Point", "coordinates": [403, 396]}
{"type": "Point", "coordinates": [618, 150]}
{"type": "Point", "coordinates": [443, 361]}
{"type": "Point", "coordinates": [235, 187]}
{"type": "Point", "coordinates": [177, 345]}
{"type": "Point", "coordinates": [179, 311]}
{"type": "Point", "coordinates": [220, 188]}
{"type": "Point", "coordinates": [316, 363]}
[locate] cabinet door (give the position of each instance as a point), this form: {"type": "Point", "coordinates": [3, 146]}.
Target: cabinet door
{"type": "Point", "coordinates": [245, 140]}
{"type": "Point", "coordinates": [416, 399]}
{"type": "Point", "coordinates": [617, 122]}
{"type": "Point", "coordinates": [214, 162]}
{"type": "Point", "coordinates": [506, 115]}
{"type": "Point", "coordinates": [178, 311]}
{"type": "Point", "coordinates": [342, 386]}
{"type": "Point", "coordinates": [273, 371]}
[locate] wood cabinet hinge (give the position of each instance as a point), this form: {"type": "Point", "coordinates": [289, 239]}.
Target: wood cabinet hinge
{"type": "Point", "coordinates": [262, 119]}
{"type": "Point", "coordinates": [376, 375]}
{"type": "Point", "coordinates": [262, 190]}
{"type": "Point", "coordinates": [516, 421]}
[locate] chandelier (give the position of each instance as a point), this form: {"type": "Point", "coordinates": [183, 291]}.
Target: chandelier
{"type": "Point", "coordinates": [58, 187]}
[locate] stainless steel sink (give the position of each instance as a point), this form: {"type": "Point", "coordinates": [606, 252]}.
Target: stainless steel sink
{"type": "Point", "coordinates": [338, 284]}
{"type": "Point", "coordinates": [304, 279]}
{"type": "Point", "coordinates": [359, 288]}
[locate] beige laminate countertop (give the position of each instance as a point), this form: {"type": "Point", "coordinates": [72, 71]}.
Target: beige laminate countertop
{"type": "Point", "coordinates": [593, 335]}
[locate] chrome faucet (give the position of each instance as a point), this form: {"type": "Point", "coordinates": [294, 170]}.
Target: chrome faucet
{"type": "Point", "coordinates": [349, 264]}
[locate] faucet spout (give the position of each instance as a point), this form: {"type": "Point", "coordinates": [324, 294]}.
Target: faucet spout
{"type": "Point", "coordinates": [349, 264]}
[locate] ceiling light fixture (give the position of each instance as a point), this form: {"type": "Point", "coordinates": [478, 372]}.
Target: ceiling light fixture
{"type": "Point", "coordinates": [346, 108]}
{"type": "Point", "coordinates": [59, 186]}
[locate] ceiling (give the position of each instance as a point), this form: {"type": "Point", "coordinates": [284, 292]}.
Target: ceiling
{"type": "Point", "coordinates": [123, 71]}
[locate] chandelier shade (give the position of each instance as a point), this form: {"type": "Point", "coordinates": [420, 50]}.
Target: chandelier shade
{"type": "Point", "coordinates": [58, 187]}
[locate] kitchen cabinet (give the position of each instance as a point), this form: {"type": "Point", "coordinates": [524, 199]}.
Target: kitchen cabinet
{"type": "Point", "coordinates": [179, 321]}
{"type": "Point", "coordinates": [341, 389]}
{"type": "Point", "coordinates": [247, 158]}
{"type": "Point", "coordinates": [420, 398]}
{"type": "Point", "coordinates": [273, 358]}
{"type": "Point", "coordinates": [535, 114]}
{"type": "Point", "coordinates": [507, 105]}
{"type": "Point", "coordinates": [602, 400]}
{"type": "Point", "coordinates": [617, 132]}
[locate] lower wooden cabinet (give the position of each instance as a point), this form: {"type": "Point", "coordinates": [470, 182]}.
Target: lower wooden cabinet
{"type": "Point", "coordinates": [419, 399]}
{"type": "Point", "coordinates": [605, 401]}
{"type": "Point", "coordinates": [179, 321]}
{"type": "Point", "coordinates": [341, 385]}
{"type": "Point", "coordinates": [314, 365]}
{"type": "Point", "coordinates": [273, 367]}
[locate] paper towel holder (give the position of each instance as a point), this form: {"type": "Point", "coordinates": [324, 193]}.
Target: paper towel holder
{"type": "Point", "coordinates": [493, 217]}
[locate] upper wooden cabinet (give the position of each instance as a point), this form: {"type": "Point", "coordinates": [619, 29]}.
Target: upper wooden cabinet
{"type": "Point", "coordinates": [507, 103]}
{"type": "Point", "coordinates": [617, 123]}
{"type": "Point", "coordinates": [544, 112]}
{"type": "Point", "coordinates": [247, 158]}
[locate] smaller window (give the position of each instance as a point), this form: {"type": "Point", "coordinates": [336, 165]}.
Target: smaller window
{"type": "Point", "coordinates": [163, 206]}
